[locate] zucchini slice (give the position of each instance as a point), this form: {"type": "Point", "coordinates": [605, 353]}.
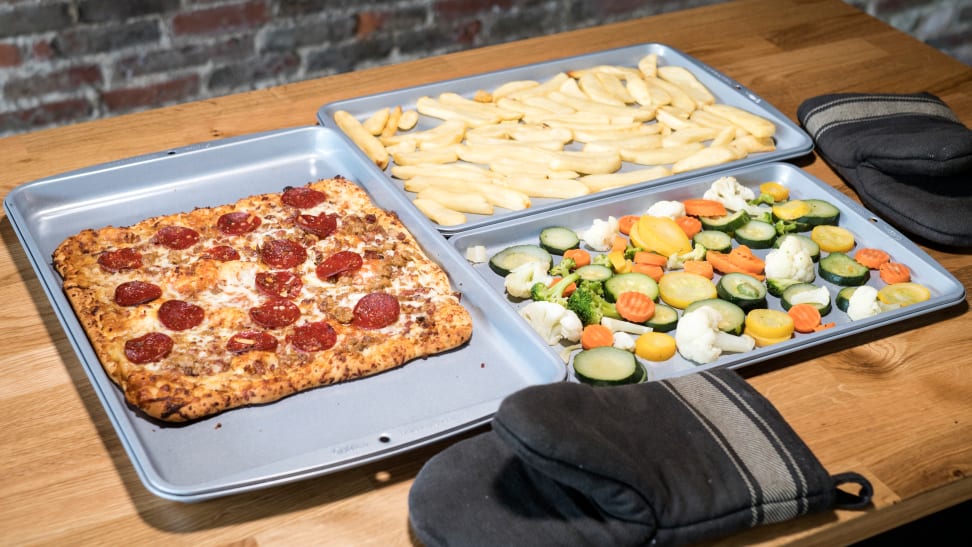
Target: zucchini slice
{"type": "Point", "coordinates": [821, 212]}
{"type": "Point", "coordinates": [756, 234]}
{"type": "Point", "coordinates": [843, 298]}
{"type": "Point", "coordinates": [806, 293]}
{"type": "Point", "coordinates": [743, 290]}
{"type": "Point", "coordinates": [510, 258]}
{"type": "Point", "coordinates": [664, 320]}
{"type": "Point", "coordinates": [557, 239]}
{"type": "Point", "coordinates": [726, 223]}
{"type": "Point", "coordinates": [777, 285]}
{"type": "Point", "coordinates": [733, 317]}
{"type": "Point", "coordinates": [714, 240]}
{"type": "Point", "coordinates": [809, 245]}
{"type": "Point", "coordinates": [841, 269]}
{"type": "Point", "coordinates": [630, 282]}
{"type": "Point", "coordinates": [594, 272]}
{"type": "Point", "coordinates": [608, 366]}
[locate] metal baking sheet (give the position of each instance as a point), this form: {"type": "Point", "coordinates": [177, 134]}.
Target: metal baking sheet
{"type": "Point", "coordinates": [868, 229]}
{"type": "Point", "coordinates": [791, 141]}
{"type": "Point", "coordinates": [307, 434]}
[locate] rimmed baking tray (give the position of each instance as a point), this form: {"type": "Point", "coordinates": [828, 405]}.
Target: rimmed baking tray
{"type": "Point", "coordinates": [868, 229]}
{"type": "Point", "coordinates": [311, 433]}
{"type": "Point", "coordinates": [791, 141]}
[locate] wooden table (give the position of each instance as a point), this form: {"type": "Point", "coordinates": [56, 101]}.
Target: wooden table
{"type": "Point", "coordinates": [895, 406]}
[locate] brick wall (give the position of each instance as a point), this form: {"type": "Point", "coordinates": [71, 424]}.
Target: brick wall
{"type": "Point", "coordinates": [66, 61]}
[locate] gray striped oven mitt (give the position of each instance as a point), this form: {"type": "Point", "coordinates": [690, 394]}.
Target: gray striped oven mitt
{"type": "Point", "coordinates": [662, 463]}
{"type": "Point", "coordinates": [908, 157]}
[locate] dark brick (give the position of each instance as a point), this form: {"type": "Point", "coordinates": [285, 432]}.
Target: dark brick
{"type": "Point", "coordinates": [523, 25]}
{"type": "Point", "coordinates": [32, 19]}
{"type": "Point", "coordinates": [426, 40]}
{"type": "Point", "coordinates": [391, 20]}
{"type": "Point", "coordinates": [132, 98]}
{"type": "Point", "coordinates": [165, 60]}
{"type": "Point", "coordinates": [221, 18]}
{"type": "Point", "coordinates": [103, 38]}
{"type": "Point", "coordinates": [467, 33]}
{"type": "Point", "coordinates": [9, 55]}
{"type": "Point", "coordinates": [102, 11]}
{"type": "Point", "coordinates": [454, 9]}
{"type": "Point", "coordinates": [290, 38]}
{"type": "Point", "coordinates": [297, 8]}
{"type": "Point", "coordinates": [347, 57]}
{"type": "Point", "coordinates": [69, 79]}
{"type": "Point", "coordinates": [42, 50]}
{"type": "Point", "coordinates": [44, 115]}
{"type": "Point", "coordinates": [266, 69]}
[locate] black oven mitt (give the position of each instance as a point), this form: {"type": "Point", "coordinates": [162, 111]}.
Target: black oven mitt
{"type": "Point", "coordinates": [664, 463]}
{"type": "Point", "coordinates": [908, 157]}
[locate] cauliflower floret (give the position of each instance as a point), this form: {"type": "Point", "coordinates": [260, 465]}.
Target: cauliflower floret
{"type": "Point", "coordinates": [730, 193]}
{"type": "Point", "coordinates": [552, 322]}
{"type": "Point", "coordinates": [790, 261]}
{"type": "Point", "coordinates": [670, 209]}
{"type": "Point", "coordinates": [623, 340]}
{"type": "Point", "coordinates": [677, 261]}
{"type": "Point", "coordinates": [477, 254]}
{"type": "Point", "coordinates": [601, 234]}
{"type": "Point", "coordinates": [699, 339]}
{"type": "Point", "coordinates": [819, 296]}
{"type": "Point", "coordinates": [521, 280]}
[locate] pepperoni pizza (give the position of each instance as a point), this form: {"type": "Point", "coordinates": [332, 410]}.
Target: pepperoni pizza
{"type": "Point", "coordinates": [195, 313]}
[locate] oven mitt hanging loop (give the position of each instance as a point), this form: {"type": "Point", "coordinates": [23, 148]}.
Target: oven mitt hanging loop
{"type": "Point", "coordinates": [664, 463]}
{"type": "Point", "coordinates": [908, 157]}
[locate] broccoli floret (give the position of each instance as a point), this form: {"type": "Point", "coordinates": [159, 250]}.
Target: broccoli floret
{"type": "Point", "coordinates": [765, 216]}
{"type": "Point", "coordinates": [763, 198]}
{"type": "Point", "coordinates": [602, 260]}
{"type": "Point", "coordinates": [564, 268]}
{"type": "Point", "coordinates": [553, 293]}
{"type": "Point", "coordinates": [630, 251]}
{"type": "Point", "coordinates": [596, 287]}
{"type": "Point", "coordinates": [786, 226]}
{"type": "Point", "coordinates": [590, 307]}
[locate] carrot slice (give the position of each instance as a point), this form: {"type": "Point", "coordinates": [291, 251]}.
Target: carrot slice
{"type": "Point", "coordinates": [701, 207]}
{"type": "Point", "coordinates": [626, 222]}
{"type": "Point", "coordinates": [743, 257]}
{"type": "Point", "coordinates": [872, 258]}
{"type": "Point", "coordinates": [635, 306]}
{"type": "Point", "coordinates": [825, 326]}
{"type": "Point", "coordinates": [894, 272]}
{"type": "Point", "coordinates": [700, 267]}
{"type": "Point", "coordinates": [689, 225]}
{"type": "Point", "coordinates": [723, 264]}
{"type": "Point", "coordinates": [619, 243]}
{"type": "Point", "coordinates": [652, 271]}
{"type": "Point", "coordinates": [570, 288]}
{"type": "Point", "coordinates": [650, 258]}
{"type": "Point", "coordinates": [596, 335]}
{"type": "Point", "coordinates": [580, 256]}
{"type": "Point", "coordinates": [806, 318]}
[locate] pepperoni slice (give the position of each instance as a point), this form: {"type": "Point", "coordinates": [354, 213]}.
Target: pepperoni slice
{"type": "Point", "coordinates": [149, 348]}
{"type": "Point", "coordinates": [339, 263]}
{"type": "Point", "coordinates": [317, 336]}
{"type": "Point", "coordinates": [238, 223]}
{"type": "Point", "coordinates": [179, 315]}
{"type": "Point", "coordinates": [120, 259]}
{"type": "Point", "coordinates": [251, 340]}
{"type": "Point", "coordinates": [223, 253]}
{"type": "Point", "coordinates": [302, 197]}
{"type": "Point", "coordinates": [321, 225]}
{"type": "Point", "coordinates": [376, 310]}
{"type": "Point", "coordinates": [176, 237]}
{"type": "Point", "coordinates": [133, 293]}
{"type": "Point", "coordinates": [275, 313]}
{"type": "Point", "coordinates": [279, 284]}
{"type": "Point", "coordinates": [282, 253]}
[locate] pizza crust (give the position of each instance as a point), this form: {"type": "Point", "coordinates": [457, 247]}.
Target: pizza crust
{"type": "Point", "coordinates": [199, 377]}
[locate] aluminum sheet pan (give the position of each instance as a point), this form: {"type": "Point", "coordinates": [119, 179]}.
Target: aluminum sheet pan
{"type": "Point", "coordinates": [307, 434]}
{"type": "Point", "coordinates": [869, 231]}
{"type": "Point", "coordinates": [791, 141]}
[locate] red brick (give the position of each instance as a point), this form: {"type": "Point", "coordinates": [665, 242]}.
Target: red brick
{"type": "Point", "coordinates": [46, 114]}
{"type": "Point", "coordinates": [467, 33]}
{"type": "Point", "coordinates": [9, 55]}
{"type": "Point", "coordinates": [43, 50]}
{"type": "Point", "coordinates": [463, 8]}
{"type": "Point", "coordinates": [368, 22]}
{"type": "Point", "coordinates": [221, 18]}
{"type": "Point", "coordinates": [69, 79]}
{"type": "Point", "coordinates": [119, 100]}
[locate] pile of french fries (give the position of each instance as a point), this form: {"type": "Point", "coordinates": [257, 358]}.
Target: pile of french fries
{"type": "Point", "coordinates": [503, 147]}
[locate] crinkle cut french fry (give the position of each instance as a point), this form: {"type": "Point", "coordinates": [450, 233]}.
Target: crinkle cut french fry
{"type": "Point", "coordinates": [508, 167]}
{"type": "Point", "coordinates": [552, 83]}
{"type": "Point", "coordinates": [462, 201]}
{"type": "Point", "coordinates": [631, 143]}
{"type": "Point", "coordinates": [463, 171]}
{"type": "Point", "coordinates": [451, 131]}
{"type": "Point", "coordinates": [487, 109]}
{"type": "Point", "coordinates": [515, 86]}
{"type": "Point", "coordinates": [434, 108]}
{"type": "Point", "coordinates": [368, 143]}
{"type": "Point", "coordinates": [597, 183]}
{"type": "Point", "coordinates": [689, 134]}
{"type": "Point", "coordinates": [660, 156]}
{"type": "Point", "coordinates": [687, 82]}
{"type": "Point", "coordinates": [680, 99]}
{"type": "Point", "coordinates": [535, 133]}
{"type": "Point", "coordinates": [758, 126]}
{"type": "Point", "coordinates": [750, 144]}
{"type": "Point", "coordinates": [375, 123]}
{"type": "Point", "coordinates": [706, 157]}
{"type": "Point", "coordinates": [438, 213]}
{"type": "Point", "coordinates": [443, 154]}
{"type": "Point", "coordinates": [546, 188]}
{"type": "Point", "coordinates": [593, 87]}
{"type": "Point", "coordinates": [594, 135]}
{"type": "Point", "coordinates": [585, 162]}
{"type": "Point", "coordinates": [498, 195]}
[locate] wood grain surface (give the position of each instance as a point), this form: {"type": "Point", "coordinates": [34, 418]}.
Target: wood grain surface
{"type": "Point", "coordinates": [895, 404]}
